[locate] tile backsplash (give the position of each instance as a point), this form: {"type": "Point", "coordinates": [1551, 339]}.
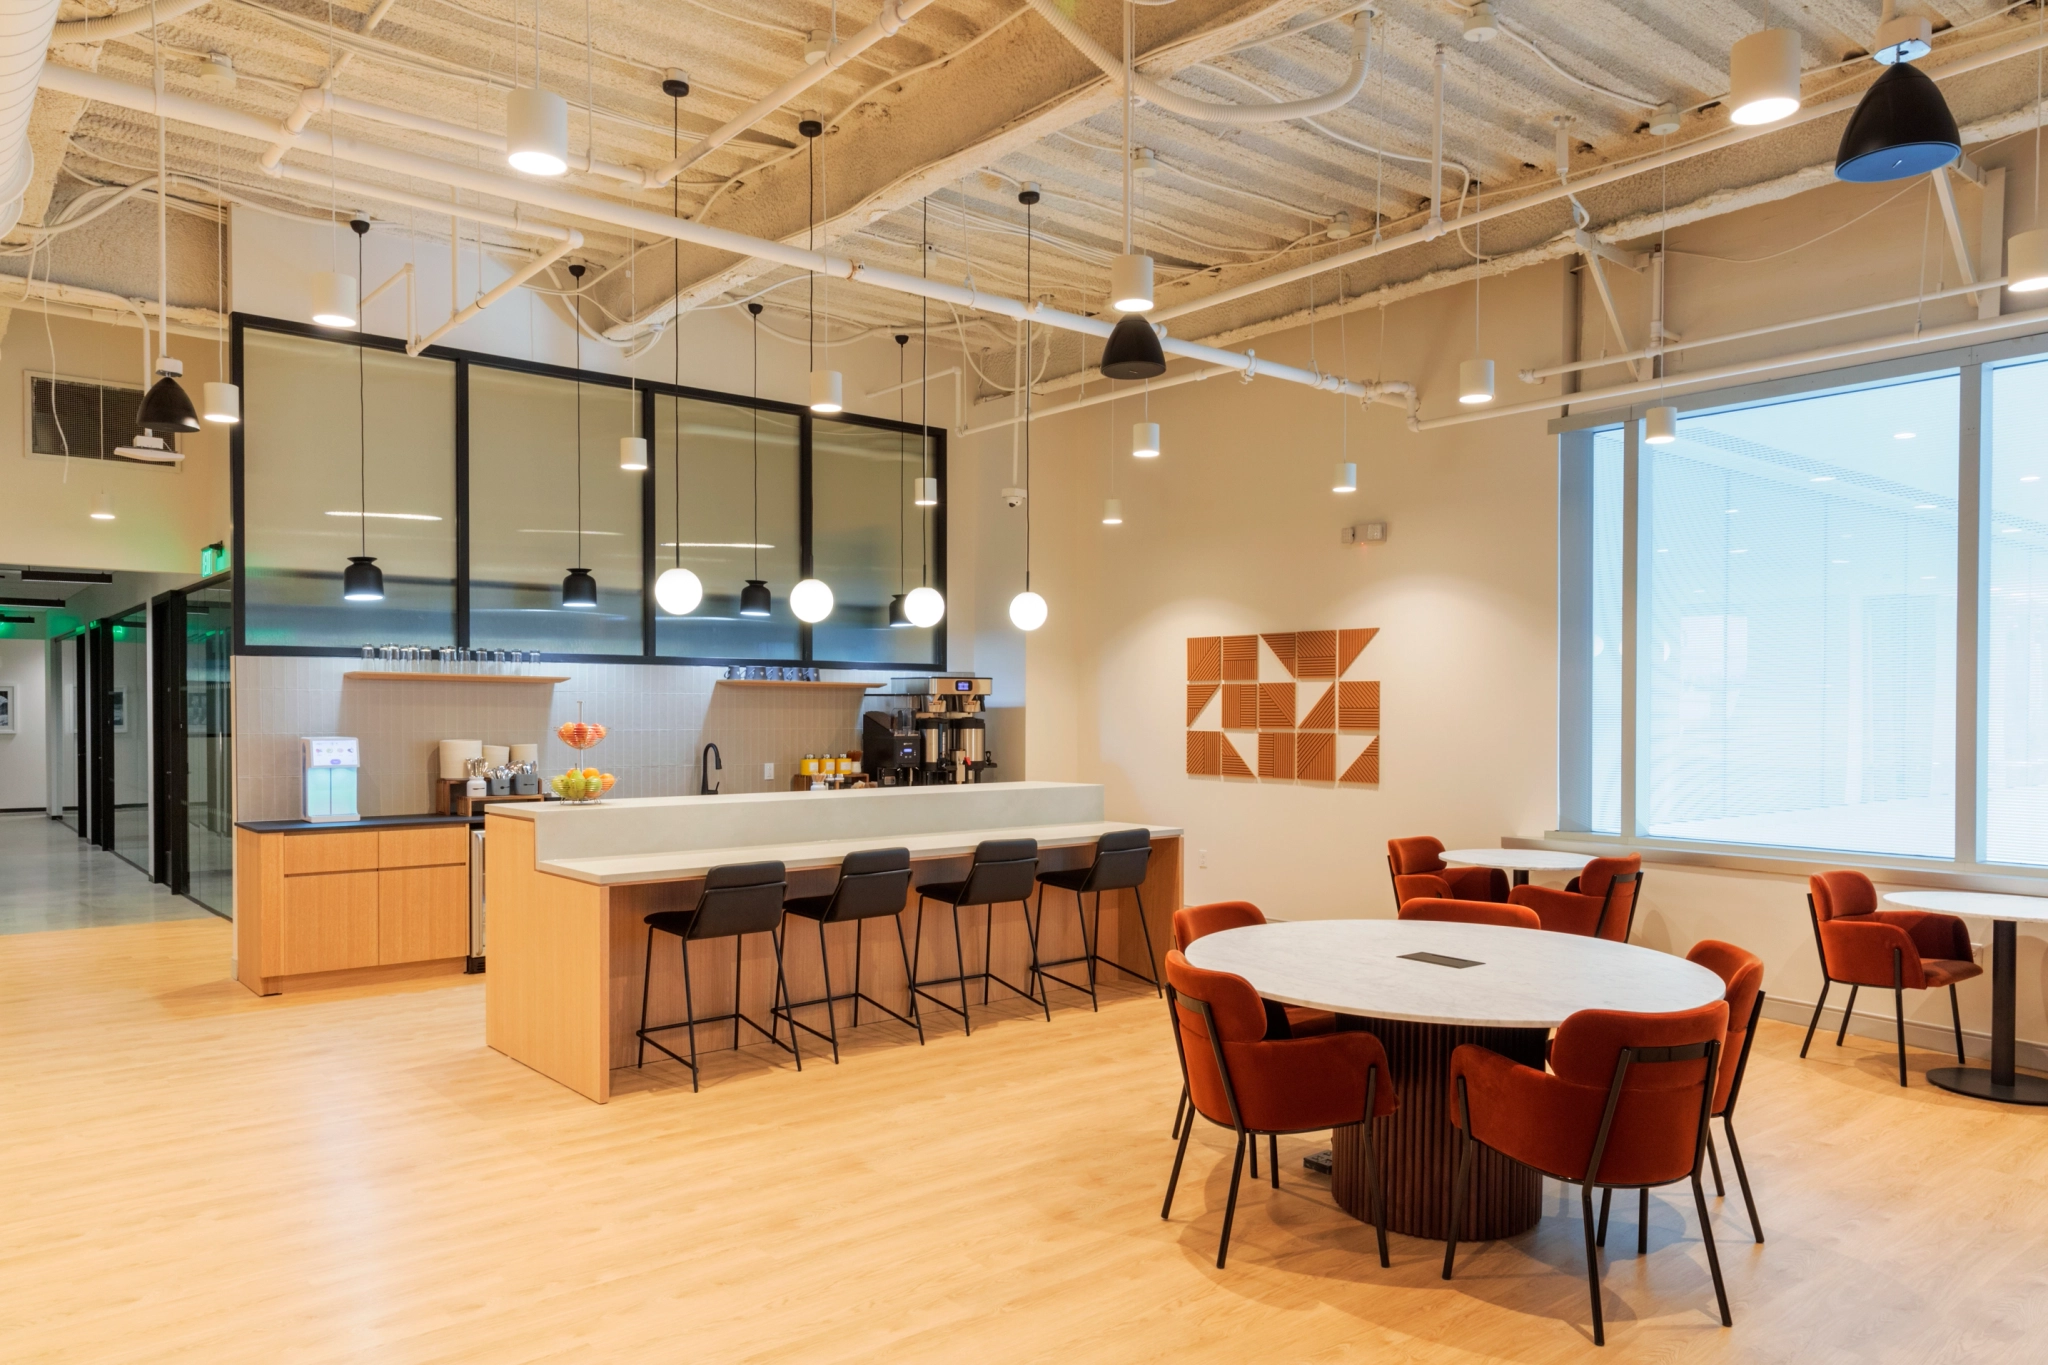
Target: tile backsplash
{"type": "Point", "coordinates": [657, 719]}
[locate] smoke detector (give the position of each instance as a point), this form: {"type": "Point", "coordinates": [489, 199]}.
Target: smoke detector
{"type": "Point", "coordinates": [1144, 164]}
{"type": "Point", "coordinates": [1664, 121]}
{"type": "Point", "coordinates": [218, 71]}
{"type": "Point", "coordinates": [817, 47]}
{"type": "Point", "coordinates": [1340, 226]}
{"type": "Point", "coordinates": [1480, 25]}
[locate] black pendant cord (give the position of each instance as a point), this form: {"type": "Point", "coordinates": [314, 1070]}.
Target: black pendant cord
{"type": "Point", "coordinates": [902, 522]}
{"type": "Point", "coordinates": [924, 398]}
{"type": "Point", "coordinates": [811, 244]}
{"type": "Point", "coordinates": [755, 309]}
{"type": "Point", "coordinates": [577, 271]}
{"type": "Point", "coordinates": [675, 256]}
{"type": "Point", "coordinates": [1028, 360]}
{"type": "Point", "coordinates": [362, 421]}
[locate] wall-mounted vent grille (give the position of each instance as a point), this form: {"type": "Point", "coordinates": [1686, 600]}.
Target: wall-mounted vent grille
{"type": "Point", "coordinates": [81, 418]}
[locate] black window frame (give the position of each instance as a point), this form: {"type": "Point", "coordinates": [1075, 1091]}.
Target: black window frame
{"type": "Point", "coordinates": [463, 360]}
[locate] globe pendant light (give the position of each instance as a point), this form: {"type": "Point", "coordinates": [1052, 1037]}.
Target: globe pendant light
{"type": "Point", "coordinates": [811, 601]}
{"type": "Point", "coordinates": [1130, 274]}
{"type": "Point", "coordinates": [579, 589]}
{"type": "Point", "coordinates": [362, 580]}
{"type": "Point", "coordinates": [1901, 128]}
{"type": "Point", "coordinates": [1027, 608]}
{"type": "Point", "coordinates": [925, 606]}
{"type": "Point", "coordinates": [1763, 77]}
{"type": "Point", "coordinates": [826, 389]}
{"type": "Point", "coordinates": [677, 591]}
{"type": "Point", "coordinates": [536, 120]}
{"type": "Point", "coordinates": [755, 599]}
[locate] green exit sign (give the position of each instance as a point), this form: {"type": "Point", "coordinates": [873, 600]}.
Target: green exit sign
{"type": "Point", "coordinates": [213, 559]}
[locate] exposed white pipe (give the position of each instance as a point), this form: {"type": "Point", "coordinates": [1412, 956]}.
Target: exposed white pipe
{"type": "Point", "coordinates": [24, 36]}
{"type": "Point", "coordinates": [572, 241]}
{"type": "Point", "coordinates": [1728, 137]}
{"type": "Point", "coordinates": [1241, 114]}
{"type": "Point", "coordinates": [1674, 346]}
{"type": "Point", "coordinates": [895, 14]}
{"type": "Point", "coordinates": [1924, 339]}
{"type": "Point", "coordinates": [1435, 227]}
{"type": "Point", "coordinates": [302, 115]}
{"type": "Point", "coordinates": [1395, 393]}
{"type": "Point", "coordinates": [121, 25]}
{"type": "Point", "coordinates": [319, 100]}
{"type": "Point", "coordinates": [1944, 194]}
{"type": "Point", "coordinates": [554, 199]}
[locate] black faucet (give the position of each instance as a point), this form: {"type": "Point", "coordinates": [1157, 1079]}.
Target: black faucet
{"type": "Point", "coordinates": [704, 767]}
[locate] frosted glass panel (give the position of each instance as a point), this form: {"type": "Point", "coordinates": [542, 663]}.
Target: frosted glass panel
{"type": "Point", "coordinates": [2016, 626]}
{"type": "Point", "coordinates": [1799, 637]}
{"type": "Point", "coordinates": [867, 541]}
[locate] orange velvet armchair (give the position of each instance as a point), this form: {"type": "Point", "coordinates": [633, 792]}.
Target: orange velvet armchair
{"type": "Point", "coordinates": [1624, 1105]}
{"type": "Point", "coordinates": [1258, 1086]}
{"type": "Point", "coordinates": [1598, 903]}
{"type": "Point", "coordinates": [1417, 866]}
{"type": "Point", "coordinates": [1470, 912]}
{"type": "Point", "coordinates": [1861, 945]}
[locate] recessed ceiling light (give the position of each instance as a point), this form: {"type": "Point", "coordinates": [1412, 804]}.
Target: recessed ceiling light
{"type": "Point", "coordinates": [1923, 507]}
{"type": "Point", "coordinates": [1822, 478]}
{"type": "Point", "coordinates": [1743, 551]}
{"type": "Point", "coordinates": [2030, 478]}
{"type": "Point", "coordinates": [389, 516]}
{"type": "Point", "coordinates": [1733, 510]}
{"type": "Point", "coordinates": [1904, 435]}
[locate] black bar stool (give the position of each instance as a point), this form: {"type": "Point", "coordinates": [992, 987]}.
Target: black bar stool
{"type": "Point", "coordinates": [872, 884]}
{"type": "Point", "coordinates": [1121, 858]}
{"type": "Point", "coordinates": [1002, 872]}
{"type": "Point", "coordinates": [738, 899]}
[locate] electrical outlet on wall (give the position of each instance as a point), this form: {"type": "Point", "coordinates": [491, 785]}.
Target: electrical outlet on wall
{"type": "Point", "coordinates": [767, 772]}
{"type": "Point", "coordinates": [1202, 859]}
{"type": "Point", "coordinates": [1365, 533]}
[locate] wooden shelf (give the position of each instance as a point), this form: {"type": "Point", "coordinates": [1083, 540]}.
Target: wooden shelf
{"type": "Point", "coordinates": [392, 676]}
{"type": "Point", "coordinates": [766, 682]}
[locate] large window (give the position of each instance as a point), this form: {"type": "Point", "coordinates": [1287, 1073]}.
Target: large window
{"type": "Point", "coordinates": [477, 484]}
{"type": "Point", "coordinates": [2016, 618]}
{"type": "Point", "coordinates": [1589, 613]}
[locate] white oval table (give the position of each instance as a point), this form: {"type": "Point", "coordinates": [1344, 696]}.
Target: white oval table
{"type": "Point", "coordinates": [1424, 988]}
{"type": "Point", "coordinates": [1518, 862]}
{"type": "Point", "coordinates": [2002, 1082]}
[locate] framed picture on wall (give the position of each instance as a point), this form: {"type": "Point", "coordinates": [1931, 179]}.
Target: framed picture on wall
{"type": "Point", "coordinates": [117, 704]}
{"type": "Point", "coordinates": [6, 708]}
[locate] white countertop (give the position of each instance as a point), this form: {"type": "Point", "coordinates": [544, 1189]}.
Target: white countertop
{"type": "Point", "coordinates": [1526, 978]}
{"type": "Point", "coordinates": [1988, 904]}
{"type": "Point", "coordinates": [1517, 859]}
{"type": "Point", "coordinates": [685, 864]}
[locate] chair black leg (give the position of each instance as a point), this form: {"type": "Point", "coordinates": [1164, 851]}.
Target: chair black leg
{"type": "Point", "coordinates": [1035, 980]}
{"type": "Point", "coordinates": [1843, 1032]}
{"type": "Point", "coordinates": [1138, 894]}
{"type": "Point", "coordinates": [1273, 1152]}
{"type": "Point", "coordinates": [1699, 1199]}
{"type": "Point", "coordinates": [1458, 1184]}
{"type": "Point", "coordinates": [960, 958]}
{"type": "Point", "coordinates": [1376, 1183]}
{"type": "Point", "coordinates": [1714, 1164]}
{"type": "Point", "coordinates": [1814, 1023]}
{"type": "Point", "coordinates": [1179, 1155]}
{"type": "Point", "coordinates": [1180, 1107]}
{"type": "Point", "coordinates": [1742, 1178]}
{"type": "Point", "coordinates": [1899, 1012]}
{"type": "Point", "coordinates": [1255, 1158]}
{"type": "Point", "coordinates": [1592, 1263]}
{"type": "Point", "coordinates": [988, 947]}
{"type": "Point", "coordinates": [1035, 974]}
{"type": "Point", "coordinates": [1643, 1223]}
{"type": "Point", "coordinates": [909, 978]}
{"type": "Point", "coordinates": [1600, 1232]}
{"type": "Point", "coordinates": [1087, 948]}
{"type": "Point", "coordinates": [1230, 1206]}
{"type": "Point", "coordinates": [739, 961]}
{"type": "Point", "coordinates": [646, 976]}
{"type": "Point", "coordinates": [1955, 1011]}
{"type": "Point", "coordinates": [859, 925]}
{"type": "Point", "coordinates": [690, 1010]}
{"type": "Point", "coordinates": [831, 1011]}
{"type": "Point", "coordinates": [782, 997]}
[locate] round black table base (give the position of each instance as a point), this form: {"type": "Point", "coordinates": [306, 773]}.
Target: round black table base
{"type": "Point", "coordinates": [1976, 1082]}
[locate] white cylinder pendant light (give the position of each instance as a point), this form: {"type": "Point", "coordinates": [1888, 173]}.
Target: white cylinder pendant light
{"type": "Point", "coordinates": [811, 601]}
{"type": "Point", "coordinates": [925, 607]}
{"type": "Point", "coordinates": [678, 591]}
{"type": "Point", "coordinates": [2026, 261]}
{"type": "Point", "coordinates": [103, 507]}
{"type": "Point", "coordinates": [826, 391]}
{"type": "Point", "coordinates": [223, 403]}
{"type": "Point", "coordinates": [1145, 440]}
{"type": "Point", "coordinates": [1346, 480]}
{"type": "Point", "coordinates": [536, 131]}
{"type": "Point", "coordinates": [633, 454]}
{"type": "Point", "coordinates": [1475, 382]}
{"type": "Point", "coordinates": [927, 493]}
{"type": "Point", "coordinates": [1660, 425]}
{"type": "Point", "coordinates": [1763, 77]}
{"type": "Point", "coordinates": [334, 299]}
{"type": "Point", "coordinates": [1130, 283]}
{"type": "Point", "coordinates": [1027, 610]}
{"type": "Point", "coordinates": [1112, 512]}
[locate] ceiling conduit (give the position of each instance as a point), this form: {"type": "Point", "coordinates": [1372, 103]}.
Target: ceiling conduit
{"type": "Point", "coordinates": [121, 25]}
{"type": "Point", "coordinates": [24, 35]}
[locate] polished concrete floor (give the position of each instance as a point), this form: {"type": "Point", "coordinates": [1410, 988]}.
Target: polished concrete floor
{"type": "Point", "coordinates": [52, 879]}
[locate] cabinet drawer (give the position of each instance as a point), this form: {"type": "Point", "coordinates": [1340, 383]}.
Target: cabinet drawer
{"type": "Point", "coordinates": [342, 851]}
{"type": "Point", "coordinates": [423, 847]}
{"type": "Point", "coordinates": [422, 914]}
{"type": "Point", "coordinates": [327, 922]}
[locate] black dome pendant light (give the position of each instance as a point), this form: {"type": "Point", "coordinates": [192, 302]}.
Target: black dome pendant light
{"type": "Point", "coordinates": [362, 580]}
{"type": "Point", "coordinates": [1902, 127]}
{"type": "Point", "coordinates": [1132, 351]}
{"type": "Point", "coordinates": [754, 598]}
{"type": "Point", "coordinates": [166, 409]}
{"type": "Point", "coordinates": [579, 589]}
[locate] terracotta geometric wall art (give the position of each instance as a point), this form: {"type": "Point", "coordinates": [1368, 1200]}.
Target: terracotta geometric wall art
{"type": "Point", "coordinates": [1316, 722]}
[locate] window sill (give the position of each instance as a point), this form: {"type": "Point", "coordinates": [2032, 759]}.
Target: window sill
{"type": "Point", "coordinates": [1797, 862]}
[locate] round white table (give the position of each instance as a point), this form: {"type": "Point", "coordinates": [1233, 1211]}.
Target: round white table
{"type": "Point", "coordinates": [1518, 861]}
{"type": "Point", "coordinates": [1424, 988]}
{"type": "Point", "coordinates": [2002, 1082]}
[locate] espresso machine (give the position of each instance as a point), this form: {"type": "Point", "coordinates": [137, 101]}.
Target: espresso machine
{"type": "Point", "coordinates": [934, 734]}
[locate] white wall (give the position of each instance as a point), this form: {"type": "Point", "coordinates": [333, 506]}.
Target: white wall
{"type": "Point", "coordinates": [23, 784]}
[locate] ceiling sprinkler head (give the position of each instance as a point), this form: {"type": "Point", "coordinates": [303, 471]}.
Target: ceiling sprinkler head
{"type": "Point", "coordinates": [1340, 226]}
{"type": "Point", "coordinates": [1480, 25]}
{"type": "Point", "coordinates": [817, 47]}
{"type": "Point", "coordinates": [675, 83]}
{"type": "Point", "coordinates": [1664, 120]}
{"type": "Point", "coordinates": [1144, 164]}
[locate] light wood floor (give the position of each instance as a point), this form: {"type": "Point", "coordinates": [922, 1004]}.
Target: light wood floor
{"type": "Point", "coordinates": [193, 1174]}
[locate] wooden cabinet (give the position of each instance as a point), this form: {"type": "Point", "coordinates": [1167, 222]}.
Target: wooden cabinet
{"type": "Point", "coordinates": [378, 902]}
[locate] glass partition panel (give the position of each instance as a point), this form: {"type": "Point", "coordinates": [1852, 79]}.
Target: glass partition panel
{"type": "Point", "coordinates": [1589, 618]}
{"type": "Point", "coordinates": [1798, 637]}
{"type": "Point", "coordinates": [128, 700]}
{"type": "Point", "coordinates": [2016, 626]}
{"type": "Point", "coordinates": [209, 750]}
{"type": "Point", "coordinates": [706, 520]}
{"type": "Point", "coordinates": [867, 542]}
{"type": "Point", "coordinates": [71, 735]}
{"type": "Point", "coordinates": [323, 480]}
{"type": "Point", "coordinates": [526, 504]}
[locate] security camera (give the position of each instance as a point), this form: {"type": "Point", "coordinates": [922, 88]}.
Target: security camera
{"type": "Point", "coordinates": [1013, 498]}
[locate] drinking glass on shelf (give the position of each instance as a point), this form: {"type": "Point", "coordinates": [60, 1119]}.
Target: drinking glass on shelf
{"type": "Point", "coordinates": [369, 656]}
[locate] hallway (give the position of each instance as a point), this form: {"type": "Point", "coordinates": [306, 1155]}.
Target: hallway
{"type": "Point", "coordinates": [52, 879]}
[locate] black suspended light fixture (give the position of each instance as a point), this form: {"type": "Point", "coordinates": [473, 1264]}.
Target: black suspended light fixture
{"type": "Point", "coordinates": [1902, 126]}
{"type": "Point", "coordinates": [1027, 608]}
{"type": "Point", "coordinates": [827, 388]}
{"type": "Point", "coordinates": [678, 590]}
{"type": "Point", "coordinates": [362, 580]}
{"type": "Point", "coordinates": [166, 409]}
{"type": "Point", "coordinates": [754, 597]}
{"type": "Point", "coordinates": [579, 589]}
{"type": "Point", "coordinates": [925, 606]}
{"type": "Point", "coordinates": [1133, 350]}
{"type": "Point", "coordinates": [899, 616]}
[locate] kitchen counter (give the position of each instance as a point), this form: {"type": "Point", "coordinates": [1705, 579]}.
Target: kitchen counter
{"type": "Point", "coordinates": [367, 822]}
{"type": "Point", "coordinates": [569, 886]}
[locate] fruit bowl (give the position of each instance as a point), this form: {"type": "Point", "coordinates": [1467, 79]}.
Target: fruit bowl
{"type": "Point", "coordinates": [579, 734]}
{"type": "Point", "coordinates": [582, 786]}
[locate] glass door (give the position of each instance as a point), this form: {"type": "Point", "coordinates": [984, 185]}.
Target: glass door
{"type": "Point", "coordinates": [71, 731]}
{"type": "Point", "coordinates": [127, 700]}
{"type": "Point", "coordinates": [209, 824]}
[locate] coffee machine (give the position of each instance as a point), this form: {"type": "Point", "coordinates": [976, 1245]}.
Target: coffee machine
{"type": "Point", "coordinates": [934, 734]}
